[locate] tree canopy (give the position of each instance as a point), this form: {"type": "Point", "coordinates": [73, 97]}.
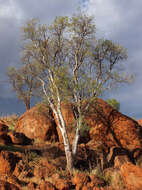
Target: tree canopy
{"type": "Point", "coordinates": [72, 65]}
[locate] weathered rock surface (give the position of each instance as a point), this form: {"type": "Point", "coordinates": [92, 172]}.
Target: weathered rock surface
{"type": "Point", "coordinates": [140, 122]}
{"type": "Point", "coordinates": [19, 138]}
{"type": "Point", "coordinates": [112, 128]}
{"type": "Point", "coordinates": [132, 176]}
{"type": "Point", "coordinates": [8, 186]}
{"type": "Point", "coordinates": [108, 127]}
{"type": "Point", "coordinates": [37, 123]}
{"type": "Point", "coordinates": [3, 126]}
{"type": "Point", "coordinates": [68, 115]}
{"type": "Point", "coordinates": [7, 162]}
{"type": "Point", "coordinates": [5, 139]}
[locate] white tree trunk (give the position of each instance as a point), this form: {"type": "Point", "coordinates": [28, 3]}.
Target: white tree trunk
{"type": "Point", "coordinates": [77, 136]}
{"type": "Point", "coordinates": [67, 147]}
{"type": "Point", "coordinates": [61, 124]}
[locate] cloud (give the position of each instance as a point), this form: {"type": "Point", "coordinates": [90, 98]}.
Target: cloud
{"type": "Point", "coordinates": [120, 22]}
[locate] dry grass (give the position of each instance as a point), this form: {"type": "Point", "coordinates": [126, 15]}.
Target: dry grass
{"type": "Point", "coordinates": [10, 120]}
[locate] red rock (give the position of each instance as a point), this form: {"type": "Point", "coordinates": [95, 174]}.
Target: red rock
{"type": "Point", "coordinates": [32, 186]}
{"type": "Point", "coordinates": [19, 138]}
{"type": "Point", "coordinates": [108, 127]}
{"type": "Point", "coordinates": [8, 186]}
{"type": "Point", "coordinates": [3, 126]}
{"type": "Point", "coordinates": [96, 181]}
{"type": "Point", "coordinates": [132, 176]}
{"type": "Point", "coordinates": [46, 186]}
{"type": "Point", "coordinates": [37, 123]}
{"type": "Point", "coordinates": [61, 183]}
{"type": "Point", "coordinates": [80, 180]}
{"type": "Point", "coordinates": [68, 115]}
{"type": "Point", "coordinates": [112, 128]}
{"type": "Point", "coordinates": [44, 169]}
{"type": "Point", "coordinates": [7, 162]}
{"type": "Point", "coordinates": [120, 160]}
{"type": "Point", "coordinates": [5, 138]}
{"type": "Point", "coordinates": [140, 122]}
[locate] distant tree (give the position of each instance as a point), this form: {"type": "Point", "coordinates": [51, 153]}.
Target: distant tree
{"type": "Point", "coordinates": [76, 66]}
{"type": "Point", "coordinates": [24, 82]}
{"type": "Point", "coordinates": [114, 103]}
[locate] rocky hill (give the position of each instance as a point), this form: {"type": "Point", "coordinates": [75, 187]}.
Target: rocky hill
{"type": "Point", "coordinates": [109, 153]}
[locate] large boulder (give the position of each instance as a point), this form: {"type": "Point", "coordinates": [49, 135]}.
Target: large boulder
{"type": "Point", "coordinates": [37, 123]}
{"type": "Point", "coordinates": [69, 117]}
{"type": "Point", "coordinates": [108, 127]}
{"type": "Point", "coordinates": [111, 128]}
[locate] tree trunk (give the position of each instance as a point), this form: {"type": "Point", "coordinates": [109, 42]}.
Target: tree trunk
{"type": "Point", "coordinates": [28, 105]}
{"type": "Point", "coordinates": [67, 146]}
{"type": "Point", "coordinates": [62, 127]}
{"type": "Point", "coordinates": [77, 137]}
{"type": "Point", "coordinates": [68, 151]}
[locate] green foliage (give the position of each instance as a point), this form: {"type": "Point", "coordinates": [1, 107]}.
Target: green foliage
{"type": "Point", "coordinates": [71, 64]}
{"type": "Point", "coordinates": [24, 82]}
{"type": "Point", "coordinates": [69, 59]}
{"type": "Point", "coordinates": [114, 103]}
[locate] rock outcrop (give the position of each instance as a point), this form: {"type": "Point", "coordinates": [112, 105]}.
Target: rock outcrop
{"type": "Point", "coordinates": [109, 127]}
{"type": "Point", "coordinates": [4, 137]}
{"type": "Point", "coordinates": [132, 176]}
{"type": "Point", "coordinates": [3, 126]}
{"type": "Point", "coordinates": [19, 138]}
{"type": "Point", "coordinates": [38, 123]}
{"type": "Point", "coordinates": [140, 122]}
{"type": "Point", "coordinates": [8, 162]}
{"type": "Point", "coordinates": [8, 186]}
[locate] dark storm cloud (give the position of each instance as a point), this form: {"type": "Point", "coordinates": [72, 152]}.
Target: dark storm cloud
{"type": "Point", "coordinates": [119, 21]}
{"type": "Point", "coordinates": [13, 14]}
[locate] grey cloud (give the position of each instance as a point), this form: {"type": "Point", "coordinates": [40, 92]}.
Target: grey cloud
{"type": "Point", "coordinates": [119, 21]}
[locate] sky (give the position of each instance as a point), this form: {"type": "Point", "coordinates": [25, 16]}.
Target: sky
{"type": "Point", "coordinates": [119, 21]}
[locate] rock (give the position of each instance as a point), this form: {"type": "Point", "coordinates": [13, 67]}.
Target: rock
{"type": "Point", "coordinates": [46, 186]}
{"type": "Point", "coordinates": [80, 180]}
{"type": "Point", "coordinates": [44, 169]}
{"type": "Point", "coordinates": [32, 186]}
{"type": "Point", "coordinates": [120, 160]}
{"type": "Point", "coordinates": [37, 123]}
{"type": "Point", "coordinates": [132, 176]}
{"type": "Point", "coordinates": [7, 162]}
{"type": "Point", "coordinates": [97, 181]}
{"type": "Point", "coordinates": [3, 126]}
{"type": "Point", "coordinates": [140, 122]}
{"type": "Point", "coordinates": [5, 138]}
{"type": "Point", "coordinates": [60, 182]}
{"type": "Point", "coordinates": [108, 127]}
{"type": "Point", "coordinates": [68, 111]}
{"type": "Point", "coordinates": [112, 128]}
{"type": "Point", "coordinates": [69, 117]}
{"type": "Point", "coordinates": [8, 186]}
{"type": "Point", "coordinates": [20, 138]}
